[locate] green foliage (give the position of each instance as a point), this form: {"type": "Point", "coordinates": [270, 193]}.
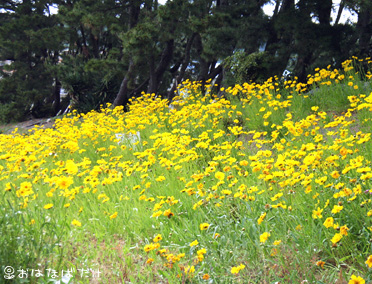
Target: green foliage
{"type": "Point", "coordinates": [243, 67]}
{"type": "Point", "coordinates": [14, 243]}
{"type": "Point", "coordinates": [90, 84]}
{"type": "Point", "coordinates": [166, 44]}
{"type": "Point", "coordinates": [28, 39]}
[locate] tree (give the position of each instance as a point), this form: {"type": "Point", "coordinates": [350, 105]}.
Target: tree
{"type": "Point", "coordinates": [303, 33]}
{"type": "Point", "coordinates": [91, 64]}
{"type": "Point", "coordinates": [29, 38]}
{"type": "Point", "coordinates": [113, 50]}
{"type": "Point", "coordinates": [150, 45]}
{"type": "Point", "coordinates": [363, 27]}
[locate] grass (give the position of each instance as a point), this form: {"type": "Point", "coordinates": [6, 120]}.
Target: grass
{"type": "Point", "coordinates": [269, 183]}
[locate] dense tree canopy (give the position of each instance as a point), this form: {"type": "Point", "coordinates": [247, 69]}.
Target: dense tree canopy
{"type": "Point", "coordinates": [112, 50]}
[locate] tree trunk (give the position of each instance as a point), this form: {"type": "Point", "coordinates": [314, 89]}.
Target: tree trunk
{"type": "Point", "coordinates": [276, 9]}
{"type": "Point", "coordinates": [302, 64]}
{"type": "Point", "coordinates": [157, 74]}
{"type": "Point", "coordinates": [324, 10]}
{"type": "Point", "coordinates": [364, 30]}
{"type": "Point", "coordinates": [122, 98]}
{"type": "Point", "coordinates": [279, 42]}
{"type": "Point", "coordinates": [217, 84]}
{"type": "Point", "coordinates": [339, 12]}
{"type": "Point", "coordinates": [57, 97]}
{"type": "Point", "coordinates": [204, 66]}
{"type": "Point", "coordinates": [185, 63]}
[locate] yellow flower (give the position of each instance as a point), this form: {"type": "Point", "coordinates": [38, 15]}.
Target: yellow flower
{"type": "Point", "coordinates": [160, 178]}
{"type": "Point", "coordinates": [76, 223]}
{"type": "Point", "coordinates": [276, 196]}
{"type": "Point", "coordinates": [149, 261]}
{"type": "Point", "coordinates": [206, 276]}
{"type": "Point", "coordinates": [274, 252]}
{"type": "Point", "coordinates": [25, 189]}
{"type": "Point", "coordinates": [201, 254]}
{"type": "Point", "coordinates": [335, 174]}
{"type": "Point", "coordinates": [262, 217]}
{"type": "Point", "coordinates": [8, 187]}
{"type": "Point", "coordinates": [318, 213]}
{"type": "Point", "coordinates": [190, 269]}
{"type": "Point", "coordinates": [71, 167]}
{"type": "Point", "coordinates": [204, 226]}
{"type": "Point", "coordinates": [264, 237]}
{"type": "Point", "coordinates": [226, 192]}
{"type": "Point", "coordinates": [320, 264]}
{"type": "Point", "coordinates": [336, 238]}
{"type": "Point", "coordinates": [235, 270]}
{"type": "Point", "coordinates": [168, 213]}
{"type": "Point", "coordinates": [157, 214]}
{"type": "Point", "coordinates": [113, 216]}
{"type": "Point", "coordinates": [147, 248]}
{"type": "Point", "coordinates": [151, 246]}
{"type": "Point", "coordinates": [277, 242]}
{"type": "Point", "coordinates": [64, 182]}
{"type": "Point", "coordinates": [201, 251]}
{"type": "Point", "coordinates": [336, 209]}
{"type": "Point", "coordinates": [343, 230]}
{"type": "Point", "coordinates": [369, 261]}
{"type": "Point", "coordinates": [356, 280]}
{"type": "Point", "coordinates": [328, 222]}
{"type": "Point", "coordinates": [48, 206]}
{"type": "Point", "coordinates": [128, 172]}
{"type": "Point", "coordinates": [194, 243]}
{"type": "Point", "coordinates": [314, 108]}
{"type": "Point", "coordinates": [219, 175]}
{"type": "Point", "coordinates": [32, 222]}
{"type": "Point", "coordinates": [157, 238]}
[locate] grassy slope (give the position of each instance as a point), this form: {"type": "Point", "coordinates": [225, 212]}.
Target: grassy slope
{"type": "Point", "coordinates": [271, 180]}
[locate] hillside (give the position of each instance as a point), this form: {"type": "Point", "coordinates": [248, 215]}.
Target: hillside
{"type": "Point", "coordinates": [269, 183]}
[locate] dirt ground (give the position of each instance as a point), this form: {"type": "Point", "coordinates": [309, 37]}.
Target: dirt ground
{"type": "Point", "coordinates": [24, 126]}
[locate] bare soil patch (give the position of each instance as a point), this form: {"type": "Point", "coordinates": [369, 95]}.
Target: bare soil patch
{"type": "Point", "coordinates": [24, 126]}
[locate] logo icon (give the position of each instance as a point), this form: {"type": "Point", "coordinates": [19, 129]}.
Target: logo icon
{"type": "Point", "coordinates": [9, 272]}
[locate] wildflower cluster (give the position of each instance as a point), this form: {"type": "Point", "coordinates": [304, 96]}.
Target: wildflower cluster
{"type": "Point", "coordinates": [260, 168]}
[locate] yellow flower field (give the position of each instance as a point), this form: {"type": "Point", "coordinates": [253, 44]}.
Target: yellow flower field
{"type": "Point", "coordinates": [269, 182]}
